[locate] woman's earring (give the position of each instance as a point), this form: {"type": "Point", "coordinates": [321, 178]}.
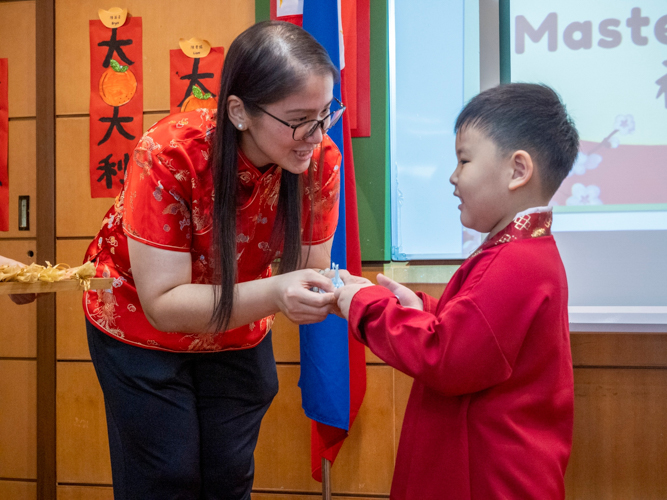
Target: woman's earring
{"type": "Point", "coordinates": [241, 126]}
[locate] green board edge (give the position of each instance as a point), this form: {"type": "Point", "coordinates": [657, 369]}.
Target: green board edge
{"type": "Point", "coordinates": [262, 10]}
{"type": "Point", "coordinates": [505, 42]}
{"type": "Point", "coordinates": [371, 154]}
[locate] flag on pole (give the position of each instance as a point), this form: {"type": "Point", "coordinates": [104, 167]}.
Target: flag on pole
{"type": "Point", "coordinates": [333, 364]}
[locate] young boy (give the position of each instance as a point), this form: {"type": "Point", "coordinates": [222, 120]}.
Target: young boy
{"type": "Point", "coordinates": [490, 414]}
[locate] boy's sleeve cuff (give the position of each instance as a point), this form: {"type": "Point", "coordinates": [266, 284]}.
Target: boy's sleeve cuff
{"type": "Point", "coordinates": [362, 305]}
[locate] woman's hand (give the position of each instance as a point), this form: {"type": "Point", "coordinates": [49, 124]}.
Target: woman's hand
{"type": "Point", "coordinates": [296, 300]}
{"type": "Point", "coordinates": [24, 298]}
{"type": "Point", "coordinates": [21, 298]}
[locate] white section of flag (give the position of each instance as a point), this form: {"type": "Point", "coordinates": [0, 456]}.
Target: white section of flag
{"type": "Point", "coordinates": [289, 8]}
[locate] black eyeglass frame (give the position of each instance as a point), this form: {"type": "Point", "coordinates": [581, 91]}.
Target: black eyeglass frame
{"type": "Point", "coordinates": [319, 123]}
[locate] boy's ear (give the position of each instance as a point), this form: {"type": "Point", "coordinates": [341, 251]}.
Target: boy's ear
{"type": "Point", "coordinates": [522, 169]}
{"type": "Point", "coordinates": [236, 113]}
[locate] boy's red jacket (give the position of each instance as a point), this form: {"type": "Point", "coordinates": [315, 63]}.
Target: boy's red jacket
{"type": "Point", "coordinates": [490, 414]}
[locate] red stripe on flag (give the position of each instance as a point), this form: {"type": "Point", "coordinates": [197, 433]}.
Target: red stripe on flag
{"type": "Point", "coordinates": [353, 246]}
{"type": "Point", "coordinates": [356, 18]}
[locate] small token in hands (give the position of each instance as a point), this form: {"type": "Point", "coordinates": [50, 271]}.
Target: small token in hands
{"type": "Point", "coordinates": [336, 281]}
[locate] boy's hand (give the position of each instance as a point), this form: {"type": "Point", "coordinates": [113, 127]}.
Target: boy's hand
{"type": "Point", "coordinates": [348, 279]}
{"type": "Point", "coordinates": [345, 293]}
{"type": "Point", "coordinates": [406, 297]}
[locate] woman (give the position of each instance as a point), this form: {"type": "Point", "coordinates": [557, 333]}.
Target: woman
{"type": "Point", "coordinates": [208, 203]}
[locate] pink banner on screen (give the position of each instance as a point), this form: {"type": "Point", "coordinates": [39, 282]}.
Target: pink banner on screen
{"type": "Point", "coordinates": [622, 175]}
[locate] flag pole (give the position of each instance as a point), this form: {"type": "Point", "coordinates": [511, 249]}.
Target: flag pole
{"type": "Point", "coordinates": [326, 479]}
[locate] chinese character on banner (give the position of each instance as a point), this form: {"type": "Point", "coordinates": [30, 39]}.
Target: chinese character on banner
{"type": "Point", "coordinates": [194, 76]}
{"type": "Point", "coordinates": [116, 99]}
{"type": "Point", "coordinates": [4, 146]}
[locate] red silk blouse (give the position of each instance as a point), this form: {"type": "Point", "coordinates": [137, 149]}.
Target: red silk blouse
{"type": "Point", "coordinates": [167, 203]}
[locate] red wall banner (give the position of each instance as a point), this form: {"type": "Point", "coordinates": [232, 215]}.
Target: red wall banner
{"type": "Point", "coordinates": [194, 82]}
{"type": "Point", "coordinates": [4, 146]}
{"type": "Point", "coordinates": [116, 102]}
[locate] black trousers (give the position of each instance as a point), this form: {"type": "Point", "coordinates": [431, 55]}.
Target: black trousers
{"type": "Point", "coordinates": [182, 425]}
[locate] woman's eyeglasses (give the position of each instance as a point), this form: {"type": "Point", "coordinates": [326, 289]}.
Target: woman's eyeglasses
{"type": "Point", "coordinates": [304, 130]}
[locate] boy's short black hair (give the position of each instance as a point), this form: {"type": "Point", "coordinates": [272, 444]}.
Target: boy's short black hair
{"type": "Point", "coordinates": [530, 117]}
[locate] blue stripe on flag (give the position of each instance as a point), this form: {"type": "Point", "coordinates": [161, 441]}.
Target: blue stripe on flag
{"type": "Point", "coordinates": [325, 372]}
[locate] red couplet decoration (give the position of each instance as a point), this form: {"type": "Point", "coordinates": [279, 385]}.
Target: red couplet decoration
{"type": "Point", "coordinates": [194, 82]}
{"type": "Point", "coordinates": [4, 146]}
{"type": "Point", "coordinates": [116, 103]}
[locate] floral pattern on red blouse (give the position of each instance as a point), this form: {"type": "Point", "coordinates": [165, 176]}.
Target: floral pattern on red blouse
{"type": "Point", "coordinates": [167, 202]}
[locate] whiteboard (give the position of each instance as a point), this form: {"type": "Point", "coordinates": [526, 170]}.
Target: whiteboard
{"type": "Point", "coordinates": [433, 71]}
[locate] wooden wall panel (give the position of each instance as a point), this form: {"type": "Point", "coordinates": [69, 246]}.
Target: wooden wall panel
{"type": "Point", "coordinates": [71, 340]}
{"type": "Point", "coordinates": [82, 442]}
{"type": "Point", "coordinates": [85, 493]}
{"type": "Point", "coordinates": [285, 340]}
{"type": "Point", "coordinates": [282, 457]}
{"type": "Point", "coordinates": [402, 388]}
{"type": "Point", "coordinates": [17, 43]}
{"type": "Point", "coordinates": [18, 328]}
{"type": "Point", "coordinates": [365, 464]}
{"type": "Point", "coordinates": [18, 419]}
{"type": "Point", "coordinates": [620, 446]}
{"type": "Point", "coordinates": [219, 22]}
{"type": "Point", "coordinates": [18, 490]}
{"type": "Point", "coordinates": [77, 214]}
{"type": "Point", "coordinates": [22, 175]}
{"type": "Point", "coordinates": [152, 118]}
{"type": "Point", "coordinates": [619, 349]}
{"type": "Point", "coordinates": [432, 289]}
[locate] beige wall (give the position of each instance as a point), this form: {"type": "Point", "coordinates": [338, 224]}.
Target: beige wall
{"type": "Point", "coordinates": [18, 366]}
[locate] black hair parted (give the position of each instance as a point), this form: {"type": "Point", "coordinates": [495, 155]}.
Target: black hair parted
{"type": "Point", "coordinates": [266, 63]}
{"type": "Point", "coordinates": [529, 117]}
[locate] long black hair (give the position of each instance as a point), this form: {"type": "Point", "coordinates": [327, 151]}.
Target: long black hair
{"type": "Point", "coordinates": [265, 64]}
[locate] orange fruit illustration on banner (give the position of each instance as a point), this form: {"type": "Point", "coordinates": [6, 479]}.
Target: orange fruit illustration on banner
{"type": "Point", "coordinates": [199, 100]}
{"type": "Point", "coordinates": [117, 85]}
